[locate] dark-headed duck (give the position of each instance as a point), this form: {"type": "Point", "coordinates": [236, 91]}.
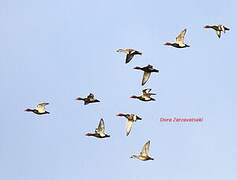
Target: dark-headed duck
{"type": "Point", "coordinates": [147, 72]}
{"type": "Point", "coordinates": [179, 43]}
{"type": "Point", "coordinates": [218, 28]}
{"type": "Point", "coordinates": [146, 95]}
{"type": "Point", "coordinates": [89, 99]}
{"type": "Point", "coordinates": [40, 109]}
{"type": "Point", "coordinates": [130, 53]}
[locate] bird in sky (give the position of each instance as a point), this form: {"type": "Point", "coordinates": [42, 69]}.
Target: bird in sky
{"type": "Point", "coordinates": [147, 72]}
{"type": "Point", "coordinates": [99, 131]}
{"type": "Point", "coordinates": [179, 43]}
{"type": "Point", "coordinates": [131, 118]}
{"type": "Point", "coordinates": [89, 99]}
{"type": "Point", "coordinates": [218, 28]}
{"type": "Point", "coordinates": [130, 53]}
{"type": "Point", "coordinates": [144, 154]}
{"type": "Point", "coordinates": [146, 95]}
{"type": "Point", "coordinates": [40, 109]}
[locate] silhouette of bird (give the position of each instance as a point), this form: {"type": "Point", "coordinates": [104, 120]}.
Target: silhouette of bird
{"type": "Point", "coordinates": [130, 53]}
{"type": "Point", "coordinates": [89, 99]}
{"type": "Point", "coordinates": [40, 109]}
{"type": "Point", "coordinates": [146, 95]}
{"type": "Point", "coordinates": [218, 28]}
{"type": "Point", "coordinates": [147, 72]}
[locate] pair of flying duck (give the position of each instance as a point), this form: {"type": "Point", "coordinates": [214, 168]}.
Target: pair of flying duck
{"type": "Point", "coordinates": [100, 133]}
{"type": "Point", "coordinates": [40, 108]}
{"type": "Point", "coordinates": [130, 53]}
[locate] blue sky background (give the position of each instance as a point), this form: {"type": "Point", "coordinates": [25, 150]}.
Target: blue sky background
{"type": "Point", "coordinates": [55, 51]}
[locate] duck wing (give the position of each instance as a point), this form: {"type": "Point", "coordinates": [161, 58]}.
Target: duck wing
{"type": "Point", "coordinates": [128, 127]}
{"type": "Point", "coordinates": [180, 37]}
{"type": "Point", "coordinates": [101, 128]}
{"type": "Point", "coordinates": [145, 149]}
{"type": "Point", "coordinates": [218, 33]}
{"type": "Point", "coordinates": [41, 107]}
{"type": "Point", "coordinates": [129, 57]}
{"type": "Point", "coordinates": [146, 77]}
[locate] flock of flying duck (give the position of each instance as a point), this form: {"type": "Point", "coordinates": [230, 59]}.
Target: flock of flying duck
{"type": "Point", "coordinates": [145, 96]}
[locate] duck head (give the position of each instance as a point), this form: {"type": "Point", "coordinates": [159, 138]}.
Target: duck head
{"type": "Point", "coordinates": [207, 26]}
{"type": "Point", "coordinates": [121, 114]}
{"type": "Point", "coordinates": [139, 68]}
{"type": "Point", "coordinates": [168, 44]}
{"type": "Point", "coordinates": [29, 110]}
{"type": "Point", "coordinates": [90, 134]}
{"type": "Point", "coordinates": [134, 97]}
{"type": "Point", "coordinates": [134, 156]}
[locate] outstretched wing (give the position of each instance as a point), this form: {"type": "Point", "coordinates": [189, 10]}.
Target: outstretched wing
{"type": "Point", "coordinates": [128, 127]}
{"type": "Point", "coordinates": [180, 37]}
{"type": "Point", "coordinates": [218, 33]}
{"type": "Point", "coordinates": [101, 127]}
{"type": "Point", "coordinates": [146, 77]}
{"type": "Point", "coordinates": [41, 107]}
{"type": "Point", "coordinates": [129, 57]}
{"type": "Point", "coordinates": [146, 91]}
{"type": "Point", "coordinates": [145, 149]}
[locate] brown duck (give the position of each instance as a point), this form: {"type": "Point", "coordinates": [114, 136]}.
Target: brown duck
{"type": "Point", "coordinates": [218, 28]}
{"type": "Point", "coordinates": [146, 96]}
{"type": "Point", "coordinates": [89, 99]}
{"type": "Point", "coordinates": [144, 154]}
{"type": "Point", "coordinates": [99, 131]}
{"type": "Point", "coordinates": [179, 43]}
{"type": "Point", "coordinates": [130, 53]}
{"type": "Point", "coordinates": [39, 110]}
{"type": "Point", "coordinates": [147, 72]}
{"type": "Point", "coordinates": [131, 118]}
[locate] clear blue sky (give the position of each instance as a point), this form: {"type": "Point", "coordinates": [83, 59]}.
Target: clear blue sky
{"type": "Point", "coordinates": [55, 51]}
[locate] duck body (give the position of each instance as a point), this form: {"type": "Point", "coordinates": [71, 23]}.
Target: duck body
{"type": "Point", "coordinates": [147, 72]}
{"type": "Point", "coordinates": [97, 135]}
{"type": "Point", "coordinates": [218, 29]}
{"type": "Point", "coordinates": [39, 110]}
{"type": "Point", "coordinates": [131, 118]}
{"type": "Point", "coordinates": [130, 53]}
{"type": "Point", "coordinates": [142, 158]}
{"type": "Point", "coordinates": [89, 99]}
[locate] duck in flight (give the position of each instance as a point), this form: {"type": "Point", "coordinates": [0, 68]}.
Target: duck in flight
{"type": "Point", "coordinates": [147, 72]}
{"type": "Point", "coordinates": [144, 154]}
{"type": "Point", "coordinates": [89, 99]}
{"type": "Point", "coordinates": [130, 53]}
{"type": "Point", "coordinates": [179, 43]}
{"type": "Point", "coordinates": [39, 110]}
{"type": "Point", "coordinates": [146, 95]}
{"type": "Point", "coordinates": [131, 118]}
{"type": "Point", "coordinates": [218, 28]}
{"type": "Point", "coordinates": [99, 131]}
